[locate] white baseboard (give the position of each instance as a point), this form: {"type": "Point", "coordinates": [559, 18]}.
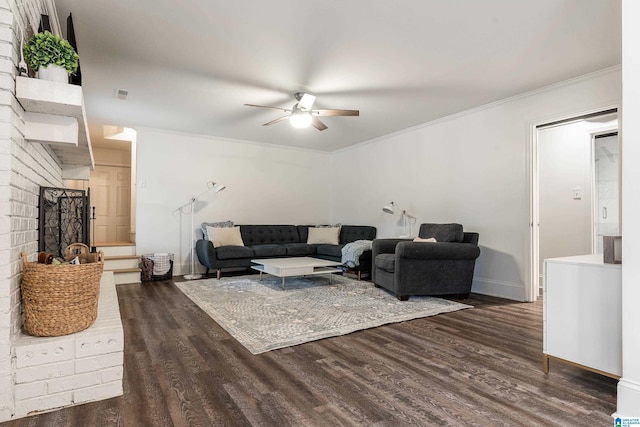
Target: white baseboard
{"type": "Point", "coordinates": [496, 288]}
{"type": "Point", "coordinates": [628, 399]}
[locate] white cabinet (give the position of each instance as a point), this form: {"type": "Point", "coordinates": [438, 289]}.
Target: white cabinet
{"type": "Point", "coordinates": [582, 313]}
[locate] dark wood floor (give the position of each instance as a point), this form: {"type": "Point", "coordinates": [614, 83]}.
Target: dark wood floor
{"type": "Point", "coordinates": [478, 367]}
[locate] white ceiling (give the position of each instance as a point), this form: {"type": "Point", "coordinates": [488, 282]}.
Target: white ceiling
{"type": "Point", "coordinates": [189, 66]}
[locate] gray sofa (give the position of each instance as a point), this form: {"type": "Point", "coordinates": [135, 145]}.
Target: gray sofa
{"type": "Point", "coordinates": [406, 268]}
{"type": "Point", "coordinates": [274, 241]}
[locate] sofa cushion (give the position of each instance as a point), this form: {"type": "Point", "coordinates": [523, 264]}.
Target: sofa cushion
{"type": "Point", "coordinates": [442, 232]}
{"type": "Point", "coordinates": [267, 251]}
{"type": "Point", "coordinates": [331, 250]}
{"type": "Point", "coordinates": [234, 252]}
{"type": "Point", "coordinates": [299, 249]}
{"type": "Point", "coordinates": [351, 233]}
{"type": "Point", "coordinates": [385, 262]}
{"type": "Point", "coordinates": [269, 234]}
{"type": "Point", "coordinates": [219, 224]}
{"type": "Point", "coordinates": [324, 235]}
{"type": "Point", "coordinates": [225, 236]}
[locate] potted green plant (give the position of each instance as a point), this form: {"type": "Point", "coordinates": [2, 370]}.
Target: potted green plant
{"type": "Point", "coordinates": [48, 53]}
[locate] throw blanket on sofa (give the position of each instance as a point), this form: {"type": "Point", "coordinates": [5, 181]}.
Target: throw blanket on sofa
{"type": "Point", "coordinates": [351, 252]}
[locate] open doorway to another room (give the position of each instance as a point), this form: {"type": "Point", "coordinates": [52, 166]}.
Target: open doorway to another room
{"type": "Point", "coordinates": [575, 188]}
{"type": "Point", "coordinates": [112, 188]}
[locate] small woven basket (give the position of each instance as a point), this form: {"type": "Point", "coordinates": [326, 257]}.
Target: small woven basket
{"type": "Point", "coordinates": [60, 299]}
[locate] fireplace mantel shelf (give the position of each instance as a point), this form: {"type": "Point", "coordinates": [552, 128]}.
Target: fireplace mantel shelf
{"type": "Point", "coordinates": [55, 115]}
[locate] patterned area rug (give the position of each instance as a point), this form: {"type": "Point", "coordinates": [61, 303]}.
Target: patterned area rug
{"type": "Point", "coordinates": [263, 317]}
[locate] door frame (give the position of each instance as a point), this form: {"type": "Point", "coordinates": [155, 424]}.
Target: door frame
{"type": "Point", "coordinates": [533, 272]}
{"type": "Point", "coordinates": [594, 134]}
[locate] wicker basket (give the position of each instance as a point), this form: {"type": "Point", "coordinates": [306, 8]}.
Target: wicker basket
{"type": "Point", "coordinates": [60, 299]}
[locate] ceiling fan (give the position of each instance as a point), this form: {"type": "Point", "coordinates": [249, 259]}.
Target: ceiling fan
{"type": "Point", "coordinates": [301, 115]}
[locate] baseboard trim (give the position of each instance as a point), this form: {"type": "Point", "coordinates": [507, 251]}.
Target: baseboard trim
{"type": "Point", "coordinates": [496, 288]}
{"type": "Point", "coordinates": [628, 399]}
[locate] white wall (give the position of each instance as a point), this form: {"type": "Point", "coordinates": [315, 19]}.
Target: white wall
{"type": "Point", "coordinates": [265, 185]}
{"type": "Point", "coordinates": [470, 168]}
{"type": "Point", "coordinates": [629, 385]}
{"type": "Point", "coordinates": [564, 158]}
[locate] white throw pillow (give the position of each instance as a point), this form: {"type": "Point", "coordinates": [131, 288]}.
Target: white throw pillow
{"type": "Point", "coordinates": [225, 236]}
{"type": "Point", "coordinates": [429, 240]}
{"type": "Point", "coordinates": [324, 235]}
{"type": "Point", "coordinates": [205, 226]}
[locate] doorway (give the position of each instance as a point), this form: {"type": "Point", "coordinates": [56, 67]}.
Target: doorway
{"type": "Point", "coordinates": [111, 197]}
{"type": "Point", "coordinates": [606, 200]}
{"type": "Point", "coordinates": [569, 191]}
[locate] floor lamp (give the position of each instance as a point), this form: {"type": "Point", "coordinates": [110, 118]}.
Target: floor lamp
{"type": "Point", "coordinates": [210, 186]}
{"type": "Point", "coordinates": [406, 217]}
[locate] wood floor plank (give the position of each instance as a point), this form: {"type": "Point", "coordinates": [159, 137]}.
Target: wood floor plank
{"type": "Point", "coordinates": [475, 367]}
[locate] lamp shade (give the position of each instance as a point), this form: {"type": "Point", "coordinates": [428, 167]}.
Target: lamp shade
{"type": "Point", "coordinates": [390, 208]}
{"type": "Point", "coordinates": [215, 186]}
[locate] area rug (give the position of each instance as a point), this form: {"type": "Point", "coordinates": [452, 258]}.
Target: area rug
{"type": "Point", "coordinates": [263, 317]}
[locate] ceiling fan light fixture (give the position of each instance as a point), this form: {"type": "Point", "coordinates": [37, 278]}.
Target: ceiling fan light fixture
{"type": "Point", "coordinates": [300, 119]}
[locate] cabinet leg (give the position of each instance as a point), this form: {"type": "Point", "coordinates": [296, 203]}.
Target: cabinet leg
{"type": "Point", "coordinates": [545, 364]}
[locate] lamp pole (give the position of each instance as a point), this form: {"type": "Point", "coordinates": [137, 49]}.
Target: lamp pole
{"type": "Point", "coordinates": [211, 186]}
{"type": "Point", "coordinates": [192, 275]}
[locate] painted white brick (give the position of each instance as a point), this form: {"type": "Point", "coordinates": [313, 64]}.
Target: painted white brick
{"type": "Point", "coordinates": [6, 412]}
{"type": "Point", "coordinates": [6, 80]}
{"type": "Point", "coordinates": [6, 382]}
{"type": "Point", "coordinates": [7, 66]}
{"type": "Point", "coordinates": [5, 323]}
{"type": "Point", "coordinates": [6, 97]}
{"type": "Point", "coordinates": [6, 406]}
{"type": "Point", "coordinates": [43, 351]}
{"type": "Point", "coordinates": [95, 363]}
{"type": "Point", "coordinates": [6, 34]}
{"type": "Point", "coordinates": [6, 49]}
{"type": "Point", "coordinates": [44, 403]}
{"type": "Point", "coordinates": [5, 365]}
{"type": "Point", "coordinates": [39, 373]}
{"type": "Point", "coordinates": [97, 344]}
{"type": "Point", "coordinates": [30, 390]}
{"type": "Point", "coordinates": [100, 392]}
{"type": "Point", "coordinates": [112, 374]}
{"type": "Point", "coordinates": [74, 382]}
{"type": "Point", "coordinates": [6, 17]}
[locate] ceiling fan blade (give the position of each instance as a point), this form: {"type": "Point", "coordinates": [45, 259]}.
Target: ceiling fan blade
{"type": "Point", "coordinates": [267, 106]}
{"type": "Point", "coordinates": [317, 123]}
{"type": "Point", "coordinates": [306, 102]}
{"type": "Point", "coordinates": [278, 120]}
{"type": "Point", "coordinates": [335, 112]}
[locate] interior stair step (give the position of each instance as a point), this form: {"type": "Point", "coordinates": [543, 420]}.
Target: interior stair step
{"type": "Point", "coordinates": [119, 262]}
{"type": "Point", "coordinates": [121, 259]}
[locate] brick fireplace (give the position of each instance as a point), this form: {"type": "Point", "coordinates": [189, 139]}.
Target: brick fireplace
{"type": "Point", "coordinates": [86, 366]}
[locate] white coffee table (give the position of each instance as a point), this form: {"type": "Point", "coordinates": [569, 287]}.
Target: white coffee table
{"type": "Point", "coordinates": [295, 266]}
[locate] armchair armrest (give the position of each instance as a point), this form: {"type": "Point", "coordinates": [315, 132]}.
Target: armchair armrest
{"type": "Point", "coordinates": [422, 250]}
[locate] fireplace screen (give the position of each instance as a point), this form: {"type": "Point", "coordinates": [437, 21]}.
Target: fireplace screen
{"type": "Point", "coordinates": [63, 219]}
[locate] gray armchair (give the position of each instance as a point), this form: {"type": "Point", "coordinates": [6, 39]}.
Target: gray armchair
{"type": "Point", "coordinates": [407, 268]}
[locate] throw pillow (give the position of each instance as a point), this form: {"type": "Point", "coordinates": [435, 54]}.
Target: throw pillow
{"type": "Point", "coordinates": [220, 224]}
{"type": "Point", "coordinates": [324, 236]}
{"type": "Point", "coordinates": [225, 236]}
{"type": "Point", "coordinates": [429, 240]}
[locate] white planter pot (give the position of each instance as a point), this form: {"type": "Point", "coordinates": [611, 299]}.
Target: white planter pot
{"type": "Point", "coordinates": [54, 73]}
